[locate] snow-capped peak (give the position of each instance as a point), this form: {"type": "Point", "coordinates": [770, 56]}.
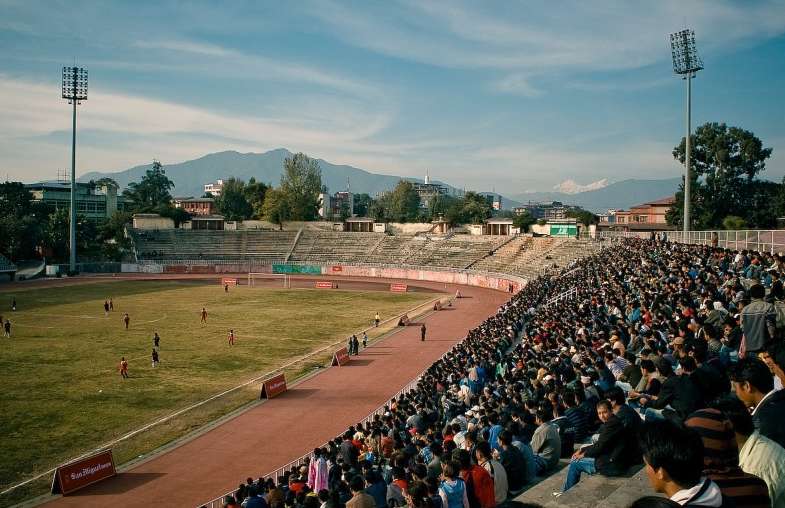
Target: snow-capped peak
{"type": "Point", "coordinates": [572, 187]}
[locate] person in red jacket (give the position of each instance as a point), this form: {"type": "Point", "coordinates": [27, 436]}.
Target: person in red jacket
{"type": "Point", "coordinates": [479, 484]}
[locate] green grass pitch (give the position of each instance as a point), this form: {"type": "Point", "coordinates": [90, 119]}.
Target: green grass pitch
{"type": "Point", "coordinates": [62, 393]}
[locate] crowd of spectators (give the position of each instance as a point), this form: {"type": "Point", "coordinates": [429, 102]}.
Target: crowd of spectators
{"type": "Point", "coordinates": [664, 356]}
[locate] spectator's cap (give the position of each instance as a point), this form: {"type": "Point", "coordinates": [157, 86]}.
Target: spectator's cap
{"type": "Point", "coordinates": [547, 378]}
{"type": "Point", "coordinates": [585, 380]}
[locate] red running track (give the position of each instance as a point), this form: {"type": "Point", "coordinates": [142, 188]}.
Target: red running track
{"type": "Point", "coordinates": [271, 434]}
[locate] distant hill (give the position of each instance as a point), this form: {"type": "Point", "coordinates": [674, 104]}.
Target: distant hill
{"type": "Point", "coordinates": [189, 178]}
{"type": "Point", "coordinates": [622, 194]}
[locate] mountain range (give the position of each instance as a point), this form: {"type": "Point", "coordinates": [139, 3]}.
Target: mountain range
{"type": "Point", "coordinates": [189, 178]}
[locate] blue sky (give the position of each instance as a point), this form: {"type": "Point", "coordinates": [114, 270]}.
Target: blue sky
{"type": "Point", "coordinates": [515, 96]}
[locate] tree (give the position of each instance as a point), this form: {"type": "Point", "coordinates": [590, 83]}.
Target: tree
{"type": "Point", "coordinates": [403, 203]}
{"type": "Point", "coordinates": [584, 217]}
{"type": "Point", "coordinates": [300, 183]}
{"type": "Point", "coordinates": [472, 208]}
{"type": "Point", "coordinates": [523, 221]}
{"type": "Point", "coordinates": [275, 208]}
{"type": "Point", "coordinates": [732, 222]}
{"type": "Point", "coordinates": [152, 193]}
{"type": "Point", "coordinates": [178, 215]}
{"type": "Point", "coordinates": [21, 221]}
{"type": "Point", "coordinates": [362, 204]}
{"type": "Point", "coordinates": [254, 194]}
{"type": "Point", "coordinates": [345, 212]}
{"type": "Point", "coordinates": [232, 203]}
{"type": "Point", "coordinates": [725, 163]}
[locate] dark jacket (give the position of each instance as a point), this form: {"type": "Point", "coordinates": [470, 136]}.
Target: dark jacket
{"type": "Point", "coordinates": [769, 417]}
{"type": "Point", "coordinates": [679, 393]}
{"type": "Point", "coordinates": [515, 466]}
{"type": "Point", "coordinates": [348, 452]}
{"type": "Point", "coordinates": [611, 452]}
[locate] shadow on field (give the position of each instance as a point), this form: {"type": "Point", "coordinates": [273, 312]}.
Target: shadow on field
{"type": "Point", "coordinates": [123, 482]}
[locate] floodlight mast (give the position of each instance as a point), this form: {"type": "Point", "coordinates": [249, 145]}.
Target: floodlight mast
{"type": "Point", "coordinates": [75, 90]}
{"type": "Point", "coordinates": [686, 63]}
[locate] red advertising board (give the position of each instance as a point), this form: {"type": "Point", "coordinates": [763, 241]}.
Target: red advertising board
{"type": "Point", "coordinates": [274, 386]}
{"type": "Point", "coordinates": [324, 284]}
{"type": "Point", "coordinates": [336, 269]}
{"type": "Point", "coordinates": [341, 357]}
{"type": "Point", "coordinates": [232, 281]}
{"type": "Point", "coordinates": [397, 287]}
{"type": "Point", "coordinates": [83, 472]}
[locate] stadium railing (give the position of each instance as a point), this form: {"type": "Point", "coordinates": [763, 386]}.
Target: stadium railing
{"type": "Point", "coordinates": [761, 240]}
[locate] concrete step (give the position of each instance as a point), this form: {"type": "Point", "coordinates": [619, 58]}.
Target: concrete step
{"type": "Point", "coordinates": [591, 491]}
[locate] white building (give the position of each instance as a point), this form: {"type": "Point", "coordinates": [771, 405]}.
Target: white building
{"type": "Point", "coordinates": [214, 188]}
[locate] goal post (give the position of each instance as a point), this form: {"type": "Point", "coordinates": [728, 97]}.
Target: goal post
{"type": "Point", "coordinates": [278, 279]}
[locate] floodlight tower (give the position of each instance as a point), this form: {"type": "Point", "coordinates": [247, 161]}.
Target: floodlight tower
{"type": "Point", "coordinates": [686, 63]}
{"type": "Point", "coordinates": [75, 90]}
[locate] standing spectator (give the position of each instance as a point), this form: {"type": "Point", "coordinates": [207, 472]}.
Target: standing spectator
{"type": "Point", "coordinates": [721, 460]}
{"type": "Point", "coordinates": [546, 443]}
{"type": "Point", "coordinates": [674, 463]}
{"type": "Point", "coordinates": [365, 340]}
{"type": "Point", "coordinates": [758, 321]}
{"type": "Point", "coordinates": [317, 471]}
{"type": "Point", "coordinates": [350, 346]}
{"type": "Point", "coordinates": [422, 332]}
{"type": "Point", "coordinates": [758, 455]}
{"type": "Point", "coordinates": [355, 345]}
{"type": "Point", "coordinates": [753, 383]}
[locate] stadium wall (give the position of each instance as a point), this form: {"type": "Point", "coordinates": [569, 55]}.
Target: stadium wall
{"type": "Point", "coordinates": [497, 281]}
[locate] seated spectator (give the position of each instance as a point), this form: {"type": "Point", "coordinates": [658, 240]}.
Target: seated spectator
{"type": "Point", "coordinates": [673, 456]}
{"type": "Point", "coordinates": [754, 385]}
{"type": "Point", "coordinates": [513, 461]}
{"type": "Point", "coordinates": [479, 485]}
{"type": "Point", "coordinates": [721, 460]}
{"type": "Point", "coordinates": [546, 443]}
{"type": "Point", "coordinates": [609, 455]}
{"type": "Point", "coordinates": [677, 398]}
{"type": "Point", "coordinates": [360, 499]}
{"type": "Point", "coordinates": [758, 455]}
{"type": "Point", "coordinates": [485, 459]}
{"type": "Point", "coordinates": [452, 489]}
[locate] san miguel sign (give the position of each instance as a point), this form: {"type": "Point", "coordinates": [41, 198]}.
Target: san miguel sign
{"type": "Point", "coordinates": [83, 472]}
{"type": "Point", "coordinates": [273, 386]}
{"type": "Point", "coordinates": [341, 357]}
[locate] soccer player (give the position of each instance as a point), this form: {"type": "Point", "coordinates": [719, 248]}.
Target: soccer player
{"type": "Point", "coordinates": [7, 328]}
{"type": "Point", "coordinates": [13, 304]}
{"type": "Point", "coordinates": [204, 315]}
{"type": "Point", "coordinates": [422, 332]}
{"type": "Point", "coordinates": [231, 337]}
{"type": "Point", "coordinates": [155, 358]}
{"type": "Point", "coordinates": [226, 287]}
{"type": "Point", "coordinates": [111, 304]}
{"type": "Point", "coordinates": [126, 320]}
{"type": "Point", "coordinates": [124, 367]}
{"type": "Point", "coordinates": [156, 341]}
{"type": "Point", "coordinates": [365, 340]}
{"type": "Point", "coordinates": [106, 308]}
{"type": "Point", "coordinates": [376, 320]}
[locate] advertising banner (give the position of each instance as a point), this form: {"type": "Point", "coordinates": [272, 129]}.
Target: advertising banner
{"type": "Point", "coordinates": [84, 472]}
{"type": "Point", "coordinates": [324, 284]}
{"type": "Point", "coordinates": [297, 269]}
{"type": "Point", "coordinates": [397, 287]}
{"type": "Point", "coordinates": [274, 386]}
{"type": "Point", "coordinates": [341, 357]}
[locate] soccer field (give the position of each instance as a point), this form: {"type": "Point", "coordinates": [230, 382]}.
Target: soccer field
{"type": "Point", "coordinates": [61, 390]}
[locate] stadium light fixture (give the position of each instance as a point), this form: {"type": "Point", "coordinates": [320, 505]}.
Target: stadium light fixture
{"type": "Point", "coordinates": [75, 90]}
{"type": "Point", "coordinates": [686, 63]}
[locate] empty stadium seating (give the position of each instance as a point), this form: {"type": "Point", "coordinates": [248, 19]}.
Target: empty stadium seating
{"type": "Point", "coordinates": [523, 256]}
